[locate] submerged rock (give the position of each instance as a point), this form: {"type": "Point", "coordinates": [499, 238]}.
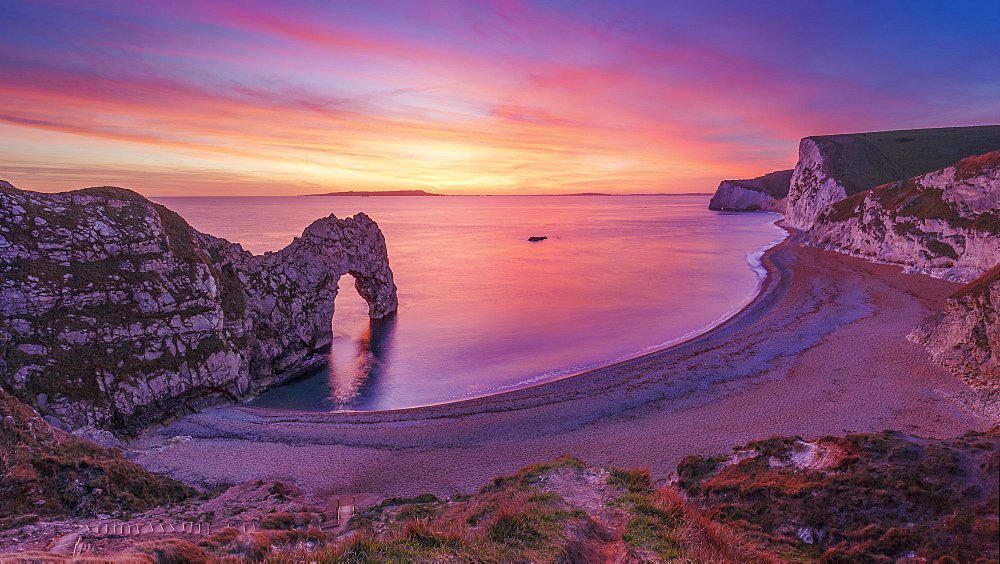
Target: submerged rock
{"type": "Point", "coordinates": [764, 193]}
{"type": "Point", "coordinates": [115, 313]}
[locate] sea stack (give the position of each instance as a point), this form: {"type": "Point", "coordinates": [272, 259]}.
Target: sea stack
{"type": "Point", "coordinates": [115, 313]}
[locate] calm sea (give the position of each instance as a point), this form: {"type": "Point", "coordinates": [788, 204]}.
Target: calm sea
{"type": "Point", "coordinates": [483, 310]}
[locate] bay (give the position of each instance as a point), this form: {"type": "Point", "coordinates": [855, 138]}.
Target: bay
{"type": "Point", "coordinates": [483, 310]}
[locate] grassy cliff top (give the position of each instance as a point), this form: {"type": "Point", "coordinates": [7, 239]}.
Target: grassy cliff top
{"type": "Point", "coordinates": [862, 161]}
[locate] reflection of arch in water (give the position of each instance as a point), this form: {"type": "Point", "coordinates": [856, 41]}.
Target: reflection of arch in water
{"type": "Point", "coordinates": [356, 382]}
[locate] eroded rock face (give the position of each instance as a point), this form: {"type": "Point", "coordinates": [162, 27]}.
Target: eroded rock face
{"type": "Point", "coordinates": [764, 193]}
{"type": "Point", "coordinates": [965, 337]}
{"type": "Point", "coordinates": [945, 223]}
{"type": "Point", "coordinates": [115, 313]}
{"type": "Point", "coordinates": [833, 167]}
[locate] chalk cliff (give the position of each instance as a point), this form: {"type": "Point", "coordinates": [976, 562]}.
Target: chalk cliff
{"type": "Point", "coordinates": [115, 313]}
{"type": "Point", "coordinates": [832, 167]}
{"type": "Point", "coordinates": [945, 223]}
{"type": "Point", "coordinates": [764, 193]}
{"type": "Point", "coordinates": [926, 199]}
{"type": "Point", "coordinates": [965, 337]}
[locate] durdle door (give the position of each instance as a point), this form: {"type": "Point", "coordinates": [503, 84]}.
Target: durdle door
{"type": "Point", "coordinates": [115, 313]}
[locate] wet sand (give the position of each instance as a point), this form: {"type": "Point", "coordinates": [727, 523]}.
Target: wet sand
{"type": "Point", "coordinates": [822, 350]}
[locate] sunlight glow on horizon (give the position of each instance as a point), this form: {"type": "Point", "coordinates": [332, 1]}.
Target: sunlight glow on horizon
{"type": "Point", "coordinates": [268, 98]}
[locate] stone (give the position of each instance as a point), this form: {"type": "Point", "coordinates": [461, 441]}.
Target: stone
{"type": "Point", "coordinates": [122, 315]}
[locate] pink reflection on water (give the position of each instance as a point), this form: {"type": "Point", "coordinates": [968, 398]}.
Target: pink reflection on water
{"type": "Point", "coordinates": [483, 310]}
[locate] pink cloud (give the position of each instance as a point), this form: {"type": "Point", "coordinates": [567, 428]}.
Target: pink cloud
{"type": "Point", "coordinates": [505, 96]}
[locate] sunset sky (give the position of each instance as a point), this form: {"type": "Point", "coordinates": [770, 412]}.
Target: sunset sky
{"type": "Point", "coordinates": [269, 97]}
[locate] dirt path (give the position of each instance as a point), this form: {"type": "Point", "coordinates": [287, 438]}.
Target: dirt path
{"type": "Point", "coordinates": [821, 351]}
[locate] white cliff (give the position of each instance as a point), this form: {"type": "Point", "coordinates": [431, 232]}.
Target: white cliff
{"type": "Point", "coordinates": [833, 167]}
{"type": "Point", "coordinates": [945, 223]}
{"type": "Point", "coordinates": [965, 337]}
{"type": "Point", "coordinates": [764, 193]}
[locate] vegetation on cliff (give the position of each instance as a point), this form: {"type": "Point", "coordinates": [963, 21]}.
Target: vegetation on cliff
{"type": "Point", "coordinates": [864, 497]}
{"type": "Point", "coordinates": [117, 314]}
{"type": "Point", "coordinates": [46, 473]}
{"type": "Point", "coordinates": [557, 511]}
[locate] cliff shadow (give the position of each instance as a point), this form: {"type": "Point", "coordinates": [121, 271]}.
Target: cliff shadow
{"type": "Point", "coordinates": [354, 377]}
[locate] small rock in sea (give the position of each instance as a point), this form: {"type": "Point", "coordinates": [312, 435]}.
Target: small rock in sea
{"type": "Point", "coordinates": [537, 238]}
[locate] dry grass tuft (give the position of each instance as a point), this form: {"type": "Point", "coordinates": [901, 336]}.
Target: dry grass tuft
{"type": "Point", "coordinates": [705, 540]}
{"type": "Point", "coordinates": [174, 551]}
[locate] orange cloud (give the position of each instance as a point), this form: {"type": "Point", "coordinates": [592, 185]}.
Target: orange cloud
{"type": "Point", "coordinates": [480, 98]}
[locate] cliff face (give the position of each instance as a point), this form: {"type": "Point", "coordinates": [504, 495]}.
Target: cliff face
{"type": "Point", "coordinates": [926, 199]}
{"type": "Point", "coordinates": [764, 193]}
{"type": "Point", "coordinates": [115, 313]}
{"type": "Point", "coordinates": [965, 337]}
{"type": "Point", "coordinates": [945, 223]}
{"type": "Point", "coordinates": [832, 167]}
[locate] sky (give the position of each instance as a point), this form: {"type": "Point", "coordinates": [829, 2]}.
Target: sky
{"type": "Point", "coordinates": [269, 97]}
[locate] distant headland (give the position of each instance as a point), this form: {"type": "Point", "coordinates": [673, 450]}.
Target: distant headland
{"type": "Point", "coordinates": [425, 193]}
{"type": "Point", "coordinates": [377, 193]}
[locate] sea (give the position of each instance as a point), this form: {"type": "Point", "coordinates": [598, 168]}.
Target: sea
{"type": "Point", "coordinates": [483, 310]}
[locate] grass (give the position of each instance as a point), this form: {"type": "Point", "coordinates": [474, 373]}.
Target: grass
{"type": "Point", "coordinates": [515, 518]}
{"type": "Point", "coordinates": [72, 477]}
{"type": "Point", "coordinates": [928, 497]}
{"type": "Point", "coordinates": [633, 480]}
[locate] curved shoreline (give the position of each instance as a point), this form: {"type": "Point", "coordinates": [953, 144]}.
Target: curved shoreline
{"type": "Point", "coordinates": [772, 278]}
{"type": "Point", "coordinates": [821, 350]}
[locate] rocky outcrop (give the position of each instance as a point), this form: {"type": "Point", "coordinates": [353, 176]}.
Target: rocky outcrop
{"type": "Point", "coordinates": [115, 313]}
{"type": "Point", "coordinates": [764, 193]}
{"type": "Point", "coordinates": [832, 167]}
{"type": "Point", "coordinates": [965, 337]}
{"type": "Point", "coordinates": [859, 498]}
{"type": "Point", "coordinates": [945, 223]}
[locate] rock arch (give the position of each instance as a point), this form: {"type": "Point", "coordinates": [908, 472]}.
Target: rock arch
{"type": "Point", "coordinates": [115, 313]}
